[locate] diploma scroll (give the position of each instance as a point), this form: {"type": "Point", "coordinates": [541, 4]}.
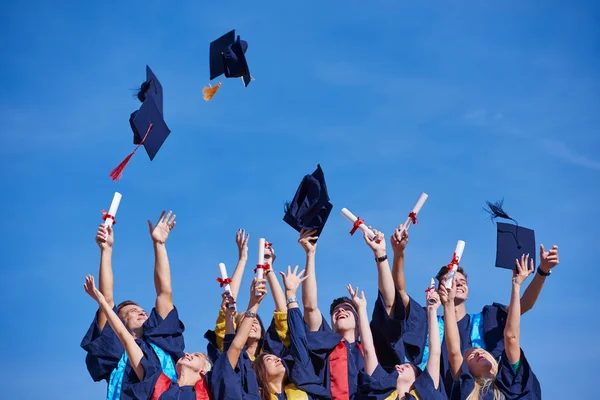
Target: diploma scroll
{"type": "Point", "coordinates": [358, 223]}
{"type": "Point", "coordinates": [109, 218]}
{"type": "Point", "coordinates": [412, 217]}
{"type": "Point", "coordinates": [225, 281]}
{"type": "Point", "coordinates": [430, 289]}
{"type": "Point", "coordinates": [260, 265]}
{"type": "Point", "coordinates": [453, 266]}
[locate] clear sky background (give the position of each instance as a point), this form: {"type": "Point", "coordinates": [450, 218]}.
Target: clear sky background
{"type": "Point", "coordinates": [465, 100]}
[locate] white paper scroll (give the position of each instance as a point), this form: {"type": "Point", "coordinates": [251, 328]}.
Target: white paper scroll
{"type": "Point", "coordinates": [431, 288]}
{"type": "Point", "coordinates": [226, 286]}
{"type": "Point", "coordinates": [415, 211]}
{"type": "Point", "coordinates": [458, 252]}
{"type": "Point", "coordinates": [352, 218]}
{"type": "Point", "coordinates": [112, 211]}
{"type": "Point", "coordinates": [260, 272]}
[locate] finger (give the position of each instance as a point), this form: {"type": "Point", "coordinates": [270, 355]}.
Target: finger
{"type": "Point", "coordinates": [109, 229]}
{"type": "Point", "coordinates": [362, 295]}
{"type": "Point", "coordinates": [542, 251]}
{"type": "Point", "coordinates": [167, 217]}
{"type": "Point", "coordinates": [172, 220]}
{"type": "Point", "coordinates": [282, 274]}
{"type": "Point", "coordinates": [301, 272]}
{"type": "Point", "coordinates": [555, 247]}
{"type": "Point", "coordinates": [304, 278]}
{"type": "Point", "coordinates": [289, 271]}
{"type": "Point", "coordinates": [296, 270]}
{"type": "Point", "coordinates": [531, 266]}
{"type": "Point", "coordinates": [150, 226]}
{"type": "Point", "coordinates": [162, 214]}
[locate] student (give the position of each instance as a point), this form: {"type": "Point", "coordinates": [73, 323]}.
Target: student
{"type": "Point", "coordinates": [160, 336]}
{"type": "Point", "coordinates": [226, 379]}
{"type": "Point", "coordinates": [405, 381]}
{"type": "Point", "coordinates": [293, 376]}
{"type": "Point", "coordinates": [477, 375]}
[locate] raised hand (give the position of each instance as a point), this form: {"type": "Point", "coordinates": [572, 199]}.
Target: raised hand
{"type": "Point", "coordinates": [258, 286]}
{"type": "Point", "coordinates": [378, 242]}
{"type": "Point", "coordinates": [105, 237]}
{"type": "Point", "coordinates": [359, 302]}
{"type": "Point", "coordinates": [227, 299]}
{"type": "Point", "coordinates": [447, 295]}
{"type": "Point", "coordinates": [308, 241]}
{"type": "Point", "coordinates": [90, 288]}
{"type": "Point", "coordinates": [433, 299]}
{"type": "Point", "coordinates": [293, 279]}
{"type": "Point", "coordinates": [522, 271]}
{"type": "Point", "coordinates": [241, 239]}
{"type": "Point", "coordinates": [548, 259]}
{"type": "Point", "coordinates": [160, 232]}
{"type": "Point", "coordinates": [399, 239]}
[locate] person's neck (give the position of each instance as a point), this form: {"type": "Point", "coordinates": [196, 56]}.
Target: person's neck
{"type": "Point", "coordinates": [251, 347]}
{"type": "Point", "coordinates": [137, 333]}
{"type": "Point", "coordinates": [277, 384]}
{"type": "Point", "coordinates": [187, 378]}
{"type": "Point", "coordinates": [460, 310]}
{"type": "Point", "coordinates": [348, 335]}
{"type": "Point", "coordinates": [402, 388]}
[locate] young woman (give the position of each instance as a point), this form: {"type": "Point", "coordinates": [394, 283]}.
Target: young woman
{"type": "Point", "coordinates": [406, 381]}
{"type": "Point", "coordinates": [291, 377]}
{"type": "Point", "coordinates": [152, 383]}
{"type": "Point", "coordinates": [477, 375]}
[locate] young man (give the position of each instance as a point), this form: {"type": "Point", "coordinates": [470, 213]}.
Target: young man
{"type": "Point", "coordinates": [160, 336]}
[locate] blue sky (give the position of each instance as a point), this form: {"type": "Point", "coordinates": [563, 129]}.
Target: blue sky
{"type": "Point", "coordinates": [465, 100]}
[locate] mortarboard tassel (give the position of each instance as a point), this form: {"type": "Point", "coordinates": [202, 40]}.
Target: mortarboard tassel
{"type": "Point", "coordinates": [116, 173]}
{"type": "Point", "coordinates": [496, 211]}
{"type": "Point", "coordinates": [210, 91]}
{"type": "Point", "coordinates": [141, 94]}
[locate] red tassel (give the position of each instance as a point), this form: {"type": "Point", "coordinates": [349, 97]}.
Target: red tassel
{"type": "Point", "coordinates": [116, 173]}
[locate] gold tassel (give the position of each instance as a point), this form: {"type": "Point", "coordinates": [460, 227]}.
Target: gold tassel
{"type": "Point", "coordinates": [210, 91]}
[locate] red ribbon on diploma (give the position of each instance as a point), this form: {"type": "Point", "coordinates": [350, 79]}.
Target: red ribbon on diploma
{"type": "Point", "coordinates": [106, 215]}
{"type": "Point", "coordinates": [268, 245]}
{"type": "Point", "coordinates": [356, 224]}
{"type": "Point", "coordinates": [430, 289]}
{"type": "Point", "coordinates": [265, 267]}
{"type": "Point", "coordinates": [224, 282]}
{"type": "Point", "coordinates": [453, 263]}
{"type": "Point", "coordinates": [413, 217]}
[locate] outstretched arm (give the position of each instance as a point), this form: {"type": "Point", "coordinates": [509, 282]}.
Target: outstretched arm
{"type": "Point", "coordinates": [455, 358]}
{"type": "Point", "coordinates": [366, 337]}
{"type": "Point", "coordinates": [312, 314]}
{"type": "Point", "coordinates": [134, 352]}
{"type": "Point", "coordinates": [105, 240]}
{"type": "Point", "coordinates": [399, 241]}
{"type": "Point", "coordinates": [512, 329]}
{"type": "Point", "coordinates": [385, 283]}
{"type": "Point", "coordinates": [162, 270]}
{"type": "Point", "coordinates": [548, 260]}
{"type": "Point", "coordinates": [276, 291]}
{"type": "Point", "coordinates": [243, 330]}
{"type": "Point", "coordinates": [435, 345]}
{"type": "Point", "coordinates": [241, 240]}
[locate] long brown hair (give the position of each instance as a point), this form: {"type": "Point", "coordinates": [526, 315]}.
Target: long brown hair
{"type": "Point", "coordinates": [258, 365]}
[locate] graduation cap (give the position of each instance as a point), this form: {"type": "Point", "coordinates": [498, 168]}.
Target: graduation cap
{"type": "Point", "coordinates": [227, 56]}
{"type": "Point", "coordinates": [310, 207]}
{"type": "Point", "coordinates": [151, 87]}
{"type": "Point", "coordinates": [512, 240]}
{"type": "Point", "coordinates": [148, 120]}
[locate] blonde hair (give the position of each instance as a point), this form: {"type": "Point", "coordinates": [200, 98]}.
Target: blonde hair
{"type": "Point", "coordinates": [484, 384]}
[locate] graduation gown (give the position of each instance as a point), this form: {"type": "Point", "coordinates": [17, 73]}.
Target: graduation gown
{"type": "Point", "coordinates": [335, 361]}
{"type": "Point", "coordinates": [412, 341]}
{"type": "Point", "coordinates": [382, 386]}
{"type": "Point", "coordinates": [226, 383]}
{"type": "Point", "coordinates": [105, 350]}
{"type": "Point", "coordinates": [519, 384]}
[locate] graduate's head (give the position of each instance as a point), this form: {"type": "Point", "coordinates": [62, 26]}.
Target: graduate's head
{"type": "Point", "coordinates": [407, 373]}
{"type": "Point", "coordinates": [132, 315]}
{"type": "Point", "coordinates": [269, 369]}
{"type": "Point", "coordinates": [257, 332]}
{"type": "Point", "coordinates": [481, 364]}
{"type": "Point", "coordinates": [460, 281]}
{"type": "Point", "coordinates": [343, 315]}
{"type": "Point", "coordinates": [197, 363]}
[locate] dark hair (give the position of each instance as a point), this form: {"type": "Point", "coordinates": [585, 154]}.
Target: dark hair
{"type": "Point", "coordinates": [263, 332]}
{"type": "Point", "coordinates": [125, 304]}
{"type": "Point", "coordinates": [444, 271]}
{"type": "Point", "coordinates": [258, 365]}
{"type": "Point", "coordinates": [141, 94]}
{"type": "Point", "coordinates": [339, 301]}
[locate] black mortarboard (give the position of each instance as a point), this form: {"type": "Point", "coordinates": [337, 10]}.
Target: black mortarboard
{"type": "Point", "coordinates": [512, 240]}
{"type": "Point", "coordinates": [150, 88]}
{"type": "Point", "coordinates": [310, 207]}
{"type": "Point", "coordinates": [152, 128]}
{"type": "Point", "coordinates": [227, 56]}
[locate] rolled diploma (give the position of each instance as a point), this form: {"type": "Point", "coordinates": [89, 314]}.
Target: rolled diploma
{"type": "Point", "coordinates": [460, 247]}
{"type": "Point", "coordinates": [227, 287]}
{"type": "Point", "coordinates": [260, 273]}
{"type": "Point", "coordinates": [416, 209]}
{"type": "Point", "coordinates": [113, 208]}
{"type": "Point", "coordinates": [352, 218]}
{"type": "Point", "coordinates": [431, 287]}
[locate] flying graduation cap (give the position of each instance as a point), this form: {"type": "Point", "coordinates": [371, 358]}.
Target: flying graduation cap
{"type": "Point", "coordinates": [227, 56]}
{"type": "Point", "coordinates": [310, 206]}
{"type": "Point", "coordinates": [148, 125]}
{"type": "Point", "coordinates": [512, 240]}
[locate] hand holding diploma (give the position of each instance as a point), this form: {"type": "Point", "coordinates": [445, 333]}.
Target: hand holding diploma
{"type": "Point", "coordinates": [109, 218]}
{"type": "Point", "coordinates": [430, 291]}
{"type": "Point", "coordinates": [261, 266]}
{"type": "Point", "coordinates": [224, 281]}
{"type": "Point", "coordinates": [357, 224]}
{"type": "Point", "coordinates": [453, 266]}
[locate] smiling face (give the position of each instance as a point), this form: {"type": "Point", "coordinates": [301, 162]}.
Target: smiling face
{"type": "Point", "coordinates": [481, 364]}
{"type": "Point", "coordinates": [343, 318]}
{"type": "Point", "coordinates": [256, 330]}
{"type": "Point", "coordinates": [460, 281]}
{"type": "Point", "coordinates": [196, 362]}
{"type": "Point", "coordinates": [133, 316]}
